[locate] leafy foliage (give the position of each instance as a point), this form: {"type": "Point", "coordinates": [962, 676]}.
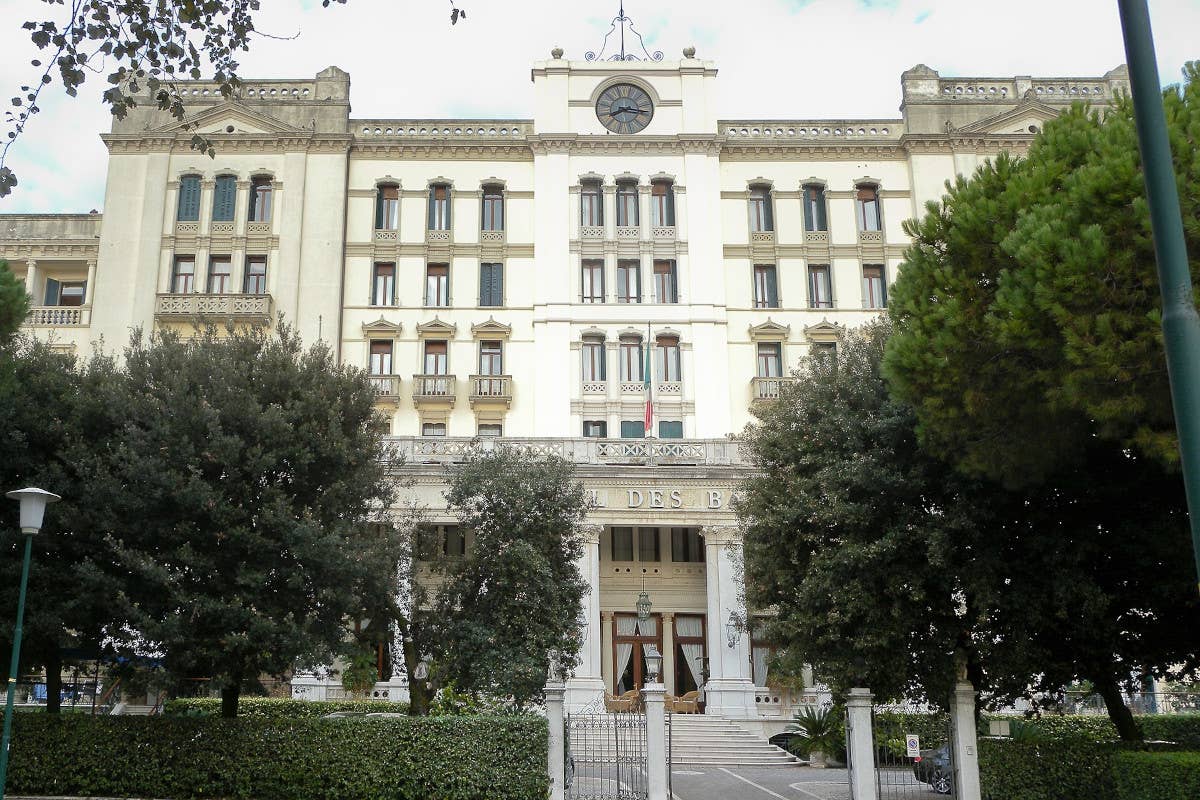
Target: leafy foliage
{"type": "Point", "coordinates": [14, 304]}
{"type": "Point", "coordinates": [1156, 776]}
{"type": "Point", "coordinates": [1049, 770]}
{"type": "Point", "coordinates": [278, 707]}
{"type": "Point", "coordinates": [816, 729]}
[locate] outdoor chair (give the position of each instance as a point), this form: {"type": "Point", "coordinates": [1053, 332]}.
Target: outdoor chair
{"type": "Point", "coordinates": [687, 704]}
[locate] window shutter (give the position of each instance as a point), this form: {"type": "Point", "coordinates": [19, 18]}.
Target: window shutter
{"type": "Point", "coordinates": [224, 199]}
{"type": "Point", "coordinates": [767, 211]}
{"type": "Point", "coordinates": [670, 205]}
{"type": "Point", "coordinates": [485, 284]}
{"type": "Point", "coordinates": [809, 202]}
{"type": "Point", "coordinates": [52, 292]}
{"type": "Point", "coordinates": [822, 223]}
{"type": "Point", "coordinates": [379, 209]}
{"type": "Point", "coordinates": [432, 206]}
{"type": "Point", "coordinates": [772, 288]}
{"type": "Point", "coordinates": [189, 199]}
{"type": "Point", "coordinates": [497, 284]}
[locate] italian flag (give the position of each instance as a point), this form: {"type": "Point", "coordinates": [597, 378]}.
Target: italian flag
{"type": "Point", "coordinates": [649, 422]}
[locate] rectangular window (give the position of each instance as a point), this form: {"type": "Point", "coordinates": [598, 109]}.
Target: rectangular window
{"type": "Point", "coordinates": [65, 293]}
{"type": "Point", "coordinates": [436, 359]}
{"type": "Point", "coordinates": [491, 284]}
{"type": "Point", "coordinates": [687, 546]}
{"type": "Point", "coordinates": [437, 285]}
{"type": "Point", "coordinates": [766, 287]}
{"type": "Point", "coordinates": [381, 357]}
{"type": "Point", "coordinates": [455, 542]}
{"type": "Point", "coordinates": [595, 429]}
{"type": "Point", "coordinates": [433, 429]}
{"type": "Point", "coordinates": [868, 209]}
{"type": "Point", "coordinates": [760, 210]}
{"type": "Point", "coordinates": [490, 430]}
{"type": "Point", "coordinates": [622, 544]}
{"type": "Point", "coordinates": [629, 282]}
{"type": "Point", "coordinates": [670, 429]}
{"type": "Point", "coordinates": [491, 358]}
{"type": "Point", "coordinates": [631, 360]}
{"type": "Point", "coordinates": [224, 198]}
{"type": "Point", "coordinates": [593, 361]}
{"type": "Point", "coordinates": [667, 358]}
{"type": "Point", "coordinates": [662, 204]}
{"type": "Point", "coordinates": [814, 208]}
{"type": "Point", "coordinates": [591, 208]}
{"type": "Point", "coordinates": [189, 199]}
{"type": "Point", "coordinates": [219, 272]}
{"type": "Point", "coordinates": [633, 429]}
{"type": "Point", "coordinates": [182, 275]}
{"type": "Point", "coordinates": [770, 364]}
{"type": "Point", "coordinates": [874, 288]}
{"type": "Point", "coordinates": [820, 294]}
{"type": "Point", "coordinates": [593, 281]}
{"type": "Point", "coordinates": [260, 199]}
{"type": "Point", "coordinates": [383, 285]}
{"type": "Point", "coordinates": [439, 207]}
{"type": "Point", "coordinates": [665, 290]}
{"type": "Point", "coordinates": [493, 208]}
{"type": "Point", "coordinates": [387, 208]}
{"type": "Point", "coordinates": [647, 544]}
{"type": "Point", "coordinates": [627, 205]}
{"type": "Point", "coordinates": [256, 275]}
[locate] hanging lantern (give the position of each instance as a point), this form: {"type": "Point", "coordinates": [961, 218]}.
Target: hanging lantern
{"type": "Point", "coordinates": [643, 606]}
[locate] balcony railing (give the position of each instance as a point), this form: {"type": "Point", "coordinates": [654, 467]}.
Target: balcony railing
{"type": "Point", "coordinates": [870, 237]}
{"type": "Point", "coordinates": [387, 387]}
{"type": "Point", "coordinates": [491, 389]}
{"type": "Point", "coordinates": [664, 231]}
{"type": "Point", "coordinates": [769, 388]}
{"type": "Point", "coordinates": [433, 389]}
{"type": "Point", "coordinates": [231, 307]}
{"type": "Point", "coordinates": [646, 452]}
{"type": "Point", "coordinates": [628, 232]}
{"type": "Point", "coordinates": [59, 316]}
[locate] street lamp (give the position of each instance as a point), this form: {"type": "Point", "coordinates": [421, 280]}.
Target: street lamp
{"type": "Point", "coordinates": [33, 509]}
{"type": "Point", "coordinates": [653, 663]}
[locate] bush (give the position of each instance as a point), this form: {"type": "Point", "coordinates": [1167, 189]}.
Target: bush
{"type": "Point", "coordinates": [1182, 728]}
{"type": "Point", "coordinates": [934, 729]}
{"type": "Point", "coordinates": [278, 707]}
{"type": "Point", "coordinates": [1157, 776]}
{"type": "Point", "coordinates": [446, 758]}
{"type": "Point", "coordinates": [1052, 769]}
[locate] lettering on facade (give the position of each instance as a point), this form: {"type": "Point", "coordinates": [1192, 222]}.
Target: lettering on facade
{"type": "Point", "coordinates": [715, 498]}
{"type": "Point", "coordinates": [594, 499]}
{"type": "Point", "coordinates": [712, 499]}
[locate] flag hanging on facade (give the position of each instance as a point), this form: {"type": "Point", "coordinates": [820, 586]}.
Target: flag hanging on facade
{"type": "Point", "coordinates": [649, 421]}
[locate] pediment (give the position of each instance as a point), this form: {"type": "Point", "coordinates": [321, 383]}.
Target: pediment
{"type": "Point", "coordinates": [1015, 120]}
{"type": "Point", "coordinates": [824, 331]}
{"type": "Point", "coordinates": [437, 327]}
{"type": "Point", "coordinates": [222, 116]}
{"type": "Point", "coordinates": [381, 325]}
{"type": "Point", "coordinates": [491, 329]}
{"type": "Point", "coordinates": [770, 330]}
{"type": "Point", "coordinates": [592, 333]}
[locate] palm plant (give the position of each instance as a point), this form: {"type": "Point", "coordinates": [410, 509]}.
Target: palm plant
{"type": "Point", "coordinates": [816, 730]}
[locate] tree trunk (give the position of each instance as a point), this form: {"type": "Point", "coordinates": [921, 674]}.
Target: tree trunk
{"type": "Point", "coordinates": [418, 693]}
{"type": "Point", "coordinates": [230, 693]}
{"type": "Point", "coordinates": [53, 680]}
{"type": "Point", "coordinates": [1127, 727]}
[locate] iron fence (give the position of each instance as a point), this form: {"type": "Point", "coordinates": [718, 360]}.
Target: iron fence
{"type": "Point", "coordinates": [901, 776]}
{"type": "Point", "coordinates": [606, 756]}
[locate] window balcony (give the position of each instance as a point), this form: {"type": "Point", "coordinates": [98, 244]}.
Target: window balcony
{"type": "Point", "coordinates": [600, 452]}
{"type": "Point", "coordinates": [664, 233]}
{"type": "Point", "coordinates": [255, 308]}
{"type": "Point", "coordinates": [187, 228]}
{"type": "Point", "coordinates": [433, 390]}
{"type": "Point", "coordinates": [437, 236]}
{"type": "Point", "coordinates": [385, 236]}
{"type": "Point", "coordinates": [633, 387]}
{"type": "Point", "coordinates": [762, 237]}
{"type": "Point", "coordinates": [628, 233]}
{"type": "Point", "coordinates": [668, 387]}
{"type": "Point", "coordinates": [221, 229]}
{"type": "Point", "coordinates": [491, 237]}
{"type": "Point", "coordinates": [591, 232]}
{"type": "Point", "coordinates": [59, 316]}
{"type": "Point", "coordinates": [258, 228]}
{"type": "Point", "coordinates": [387, 388]}
{"type": "Point", "coordinates": [870, 237]}
{"type": "Point", "coordinates": [595, 387]}
{"type": "Point", "coordinates": [816, 237]}
{"type": "Point", "coordinates": [495, 389]}
{"type": "Point", "coordinates": [767, 389]}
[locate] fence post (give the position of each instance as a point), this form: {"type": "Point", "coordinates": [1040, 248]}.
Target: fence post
{"type": "Point", "coordinates": [557, 757]}
{"type": "Point", "coordinates": [860, 745]}
{"type": "Point", "coordinates": [653, 695]}
{"type": "Point", "coordinates": [964, 741]}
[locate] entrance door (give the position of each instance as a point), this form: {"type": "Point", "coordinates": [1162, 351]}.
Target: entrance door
{"type": "Point", "coordinates": [631, 640]}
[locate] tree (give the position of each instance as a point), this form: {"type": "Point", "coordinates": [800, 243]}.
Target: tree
{"type": "Point", "coordinates": [243, 499]}
{"type": "Point", "coordinates": [14, 304]}
{"type": "Point", "coordinates": [502, 611]}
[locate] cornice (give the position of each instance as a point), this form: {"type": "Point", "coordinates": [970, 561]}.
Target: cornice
{"type": "Point", "coordinates": [48, 248]}
{"type": "Point", "coordinates": [634, 145]}
{"type": "Point", "coordinates": [436, 149]}
{"type": "Point", "coordinates": [236, 143]}
{"type": "Point", "coordinates": [456, 250]}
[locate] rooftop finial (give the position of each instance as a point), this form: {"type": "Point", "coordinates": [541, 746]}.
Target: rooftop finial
{"type": "Point", "coordinates": [621, 21]}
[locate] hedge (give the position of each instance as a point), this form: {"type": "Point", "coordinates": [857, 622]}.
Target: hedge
{"type": "Point", "coordinates": [1055, 769]}
{"type": "Point", "coordinates": [1157, 776]}
{"type": "Point", "coordinates": [277, 707]}
{"type": "Point", "coordinates": [187, 758]}
{"type": "Point", "coordinates": [1182, 728]}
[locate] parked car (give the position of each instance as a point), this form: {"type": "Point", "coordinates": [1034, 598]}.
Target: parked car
{"type": "Point", "coordinates": [933, 767]}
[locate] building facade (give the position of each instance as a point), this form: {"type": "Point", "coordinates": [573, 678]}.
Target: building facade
{"type": "Point", "coordinates": [537, 281]}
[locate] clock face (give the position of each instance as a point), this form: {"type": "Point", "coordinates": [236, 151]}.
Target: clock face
{"type": "Point", "coordinates": [624, 108]}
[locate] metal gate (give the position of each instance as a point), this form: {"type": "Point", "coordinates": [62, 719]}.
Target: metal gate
{"type": "Point", "coordinates": [901, 775]}
{"type": "Point", "coordinates": [606, 756]}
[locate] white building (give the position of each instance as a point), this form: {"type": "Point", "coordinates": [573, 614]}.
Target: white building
{"type": "Point", "coordinates": [500, 278]}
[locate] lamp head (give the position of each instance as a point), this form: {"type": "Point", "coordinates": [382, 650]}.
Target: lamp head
{"type": "Point", "coordinates": [33, 506]}
{"type": "Point", "coordinates": [653, 663]}
{"type": "Point", "coordinates": [643, 606]}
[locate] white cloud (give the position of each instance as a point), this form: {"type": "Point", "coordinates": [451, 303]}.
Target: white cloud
{"type": "Point", "coordinates": [778, 59]}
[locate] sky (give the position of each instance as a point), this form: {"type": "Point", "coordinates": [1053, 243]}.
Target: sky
{"type": "Point", "coordinates": [790, 59]}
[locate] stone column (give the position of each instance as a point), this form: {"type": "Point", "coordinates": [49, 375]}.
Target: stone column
{"type": "Point", "coordinates": [860, 745]}
{"type": "Point", "coordinates": [963, 741]}
{"type": "Point", "coordinates": [556, 760]}
{"type": "Point", "coordinates": [668, 653]}
{"type": "Point", "coordinates": [31, 278]}
{"type": "Point", "coordinates": [729, 690]}
{"type": "Point", "coordinates": [610, 211]}
{"type": "Point", "coordinates": [91, 281]}
{"type": "Point", "coordinates": [606, 654]}
{"type": "Point", "coordinates": [656, 741]}
{"type": "Point", "coordinates": [586, 686]}
{"type": "Point", "coordinates": [206, 205]}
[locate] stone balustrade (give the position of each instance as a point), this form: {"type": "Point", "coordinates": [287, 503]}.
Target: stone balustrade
{"type": "Point", "coordinates": [434, 389]}
{"type": "Point", "coordinates": [386, 386]}
{"type": "Point", "coordinates": [491, 388]}
{"type": "Point", "coordinates": [213, 307]}
{"type": "Point", "coordinates": [647, 452]}
{"type": "Point", "coordinates": [59, 316]}
{"type": "Point", "coordinates": [769, 388]}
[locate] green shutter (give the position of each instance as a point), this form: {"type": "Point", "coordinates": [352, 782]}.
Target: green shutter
{"type": "Point", "coordinates": [822, 222]}
{"type": "Point", "coordinates": [772, 289]}
{"type": "Point", "coordinates": [767, 211]}
{"type": "Point", "coordinates": [224, 198]}
{"type": "Point", "coordinates": [670, 429]}
{"type": "Point", "coordinates": [498, 284]}
{"type": "Point", "coordinates": [633, 429]}
{"type": "Point", "coordinates": [52, 292]}
{"type": "Point", "coordinates": [671, 205]}
{"type": "Point", "coordinates": [379, 209]}
{"type": "Point", "coordinates": [189, 199]}
{"type": "Point", "coordinates": [808, 209]}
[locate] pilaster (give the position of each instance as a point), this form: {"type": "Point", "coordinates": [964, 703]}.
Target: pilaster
{"type": "Point", "coordinates": [729, 690]}
{"type": "Point", "coordinates": [586, 686]}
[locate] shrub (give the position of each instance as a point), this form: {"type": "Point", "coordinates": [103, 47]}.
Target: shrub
{"type": "Point", "coordinates": [1156, 776]}
{"type": "Point", "coordinates": [446, 758]}
{"type": "Point", "coordinates": [934, 729]}
{"type": "Point", "coordinates": [278, 707]}
{"type": "Point", "coordinates": [1182, 728]}
{"type": "Point", "coordinates": [1052, 769]}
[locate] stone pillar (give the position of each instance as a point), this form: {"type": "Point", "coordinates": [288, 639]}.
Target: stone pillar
{"type": "Point", "coordinates": [656, 741]}
{"type": "Point", "coordinates": [646, 224]}
{"type": "Point", "coordinates": [91, 281]}
{"type": "Point", "coordinates": [586, 686]}
{"type": "Point", "coordinates": [963, 741]}
{"type": "Point", "coordinates": [556, 760]}
{"type": "Point", "coordinates": [860, 745]}
{"type": "Point", "coordinates": [610, 211]}
{"type": "Point", "coordinates": [606, 653]}
{"type": "Point", "coordinates": [668, 653]}
{"type": "Point", "coordinates": [31, 278]}
{"type": "Point", "coordinates": [729, 690]}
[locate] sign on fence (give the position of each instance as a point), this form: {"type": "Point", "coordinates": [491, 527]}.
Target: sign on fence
{"type": "Point", "coordinates": [912, 744]}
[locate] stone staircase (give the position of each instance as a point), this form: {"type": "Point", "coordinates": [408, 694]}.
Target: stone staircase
{"type": "Point", "coordinates": [706, 739]}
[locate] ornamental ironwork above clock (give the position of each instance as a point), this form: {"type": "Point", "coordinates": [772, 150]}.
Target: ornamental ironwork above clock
{"type": "Point", "coordinates": [624, 108]}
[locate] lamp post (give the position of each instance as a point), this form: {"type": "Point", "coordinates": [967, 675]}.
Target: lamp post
{"type": "Point", "coordinates": [33, 508]}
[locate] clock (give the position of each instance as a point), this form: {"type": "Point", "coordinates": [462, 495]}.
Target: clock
{"type": "Point", "coordinates": [624, 108]}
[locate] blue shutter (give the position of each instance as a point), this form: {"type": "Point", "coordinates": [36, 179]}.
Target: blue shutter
{"type": "Point", "coordinates": [633, 429]}
{"type": "Point", "coordinates": [189, 199]}
{"type": "Point", "coordinates": [224, 198]}
{"type": "Point", "coordinates": [670, 429]}
{"type": "Point", "coordinates": [497, 284]}
{"type": "Point", "coordinates": [52, 292]}
{"type": "Point", "coordinates": [772, 289]}
{"type": "Point", "coordinates": [379, 209]}
{"type": "Point", "coordinates": [822, 222]}
{"type": "Point", "coordinates": [767, 211]}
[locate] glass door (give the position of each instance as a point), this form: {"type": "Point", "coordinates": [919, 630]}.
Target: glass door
{"type": "Point", "coordinates": [631, 640]}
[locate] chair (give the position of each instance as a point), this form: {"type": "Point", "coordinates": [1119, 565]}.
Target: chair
{"type": "Point", "coordinates": [687, 704]}
{"type": "Point", "coordinates": [619, 705]}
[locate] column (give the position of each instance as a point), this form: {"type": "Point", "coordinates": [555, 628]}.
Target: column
{"type": "Point", "coordinates": [31, 278]}
{"type": "Point", "coordinates": [860, 745]}
{"type": "Point", "coordinates": [556, 759]}
{"type": "Point", "coordinates": [586, 686]}
{"type": "Point", "coordinates": [91, 280]}
{"type": "Point", "coordinates": [656, 741]}
{"type": "Point", "coordinates": [963, 740]}
{"type": "Point", "coordinates": [606, 653]}
{"type": "Point", "coordinates": [237, 259]}
{"type": "Point", "coordinates": [668, 653]}
{"type": "Point", "coordinates": [730, 689]}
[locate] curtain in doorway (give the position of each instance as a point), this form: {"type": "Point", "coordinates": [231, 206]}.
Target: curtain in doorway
{"type": "Point", "coordinates": [692, 653]}
{"type": "Point", "coordinates": [626, 626]}
{"type": "Point", "coordinates": [648, 628]}
{"type": "Point", "coordinates": [758, 656]}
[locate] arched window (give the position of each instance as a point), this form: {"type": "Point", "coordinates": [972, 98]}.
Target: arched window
{"type": "Point", "coordinates": [662, 204]}
{"type": "Point", "coordinates": [761, 216]}
{"type": "Point", "coordinates": [260, 198]}
{"type": "Point", "coordinates": [591, 204]}
{"type": "Point", "coordinates": [627, 204]}
{"type": "Point", "coordinates": [493, 208]}
{"type": "Point", "coordinates": [867, 202]}
{"type": "Point", "coordinates": [387, 207]}
{"type": "Point", "coordinates": [224, 198]}
{"type": "Point", "coordinates": [593, 359]}
{"type": "Point", "coordinates": [631, 359]}
{"type": "Point", "coordinates": [815, 218]}
{"type": "Point", "coordinates": [439, 207]}
{"type": "Point", "coordinates": [666, 359]}
{"type": "Point", "coordinates": [189, 199]}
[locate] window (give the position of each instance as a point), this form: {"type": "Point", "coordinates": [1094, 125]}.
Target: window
{"type": "Point", "coordinates": [256, 275]}
{"type": "Point", "coordinates": [182, 274]}
{"type": "Point", "coordinates": [627, 204]}
{"type": "Point", "coordinates": [667, 358]}
{"type": "Point", "coordinates": [224, 198]}
{"type": "Point", "coordinates": [670, 429]}
{"type": "Point", "coordinates": [491, 284]}
{"type": "Point", "coordinates": [595, 429]}
{"type": "Point", "coordinates": [260, 198]}
{"type": "Point", "coordinates": [493, 208]}
{"type": "Point", "coordinates": [647, 544]}
{"type": "Point", "coordinates": [436, 359]}
{"type": "Point", "coordinates": [633, 429]}
{"type": "Point", "coordinates": [219, 272]}
{"type": "Point", "coordinates": [766, 287]}
{"type": "Point", "coordinates": [760, 209]}
{"type": "Point", "coordinates": [874, 287]}
{"type": "Point", "coordinates": [491, 358]}
{"type": "Point", "coordinates": [629, 282]}
{"type": "Point", "coordinates": [189, 199]}
{"type": "Point", "coordinates": [868, 208]}
{"type": "Point", "coordinates": [622, 544]}
{"type": "Point", "coordinates": [770, 364]}
{"type": "Point", "coordinates": [439, 207]}
{"type": "Point", "coordinates": [593, 360]}
{"type": "Point", "coordinates": [814, 208]}
{"type": "Point", "coordinates": [65, 293]}
{"type": "Point", "coordinates": [593, 281]}
{"type": "Point", "coordinates": [387, 208]}
{"type": "Point", "coordinates": [490, 429]}
{"type": "Point", "coordinates": [381, 357]}
{"type": "Point", "coordinates": [433, 429]}
{"type": "Point", "coordinates": [760, 652]}
{"type": "Point", "coordinates": [383, 285]}
{"type": "Point", "coordinates": [437, 285]}
{"type": "Point", "coordinates": [820, 294]}
{"type": "Point", "coordinates": [687, 546]}
{"type": "Point", "coordinates": [662, 204]}
{"type": "Point", "coordinates": [665, 290]}
{"type": "Point", "coordinates": [591, 208]}
{"type": "Point", "coordinates": [823, 349]}
{"type": "Point", "coordinates": [454, 542]}
{"type": "Point", "coordinates": [631, 360]}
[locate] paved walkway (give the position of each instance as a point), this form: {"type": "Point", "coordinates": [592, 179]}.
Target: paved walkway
{"type": "Point", "coordinates": [759, 783]}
